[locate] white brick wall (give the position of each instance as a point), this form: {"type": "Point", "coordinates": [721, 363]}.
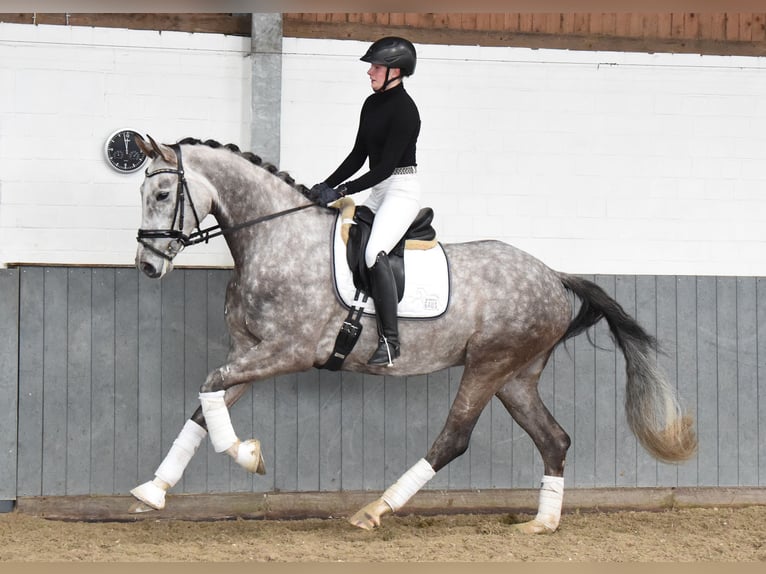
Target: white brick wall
{"type": "Point", "coordinates": [64, 90]}
{"type": "Point", "coordinates": [594, 162]}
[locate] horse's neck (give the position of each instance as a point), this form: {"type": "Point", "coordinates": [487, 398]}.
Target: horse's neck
{"type": "Point", "coordinates": [244, 191]}
{"type": "Point", "coordinates": [248, 196]}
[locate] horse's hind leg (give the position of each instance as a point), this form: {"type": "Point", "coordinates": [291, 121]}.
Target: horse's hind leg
{"type": "Point", "coordinates": [476, 390]}
{"type": "Point", "coordinates": [521, 398]}
{"type": "Point", "coordinates": [151, 494]}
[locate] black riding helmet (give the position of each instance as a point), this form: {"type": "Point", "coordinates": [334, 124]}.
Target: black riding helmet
{"type": "Point", "coordinates": [392, 52]}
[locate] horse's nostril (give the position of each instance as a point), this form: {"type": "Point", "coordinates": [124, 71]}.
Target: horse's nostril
{"type": "Point", "coordinates": [150, 270]}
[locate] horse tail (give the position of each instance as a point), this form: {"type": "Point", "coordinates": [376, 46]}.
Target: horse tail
{"type": "Point", "coordinates": [652, 409]}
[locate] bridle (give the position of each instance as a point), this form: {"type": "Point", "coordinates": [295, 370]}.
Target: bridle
{"type": "Point", "coordinates": [180, 239]}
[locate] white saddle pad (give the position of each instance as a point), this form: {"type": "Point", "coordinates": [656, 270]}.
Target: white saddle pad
{"type": "Point", "coordinates": [426, 283]}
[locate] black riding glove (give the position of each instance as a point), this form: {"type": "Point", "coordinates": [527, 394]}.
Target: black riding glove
{"type": "Point", "coordinates": [323, 194]}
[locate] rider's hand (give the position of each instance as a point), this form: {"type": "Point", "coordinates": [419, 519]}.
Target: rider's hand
{"type": "Point", "coordinates": [323, 194]}
{"type": "Point", "coordinates": [314, 193]}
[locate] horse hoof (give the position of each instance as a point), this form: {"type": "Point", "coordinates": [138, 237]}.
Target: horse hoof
{"type": "Point", "coordinates": [139, 507]}
{"type": "Point", "coordinates": [533, 527]}
{"type": "Point", "coordinates": [149, 494]}
{"type": "Point", "coordinates": [249, 456]}
{"type": "Point", "coordinates": [368, 518]}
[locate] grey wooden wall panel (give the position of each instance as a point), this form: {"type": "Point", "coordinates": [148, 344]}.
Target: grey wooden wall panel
{"type": "Point", "coordinates": [761, 373]}
{"type": "Point", "coordinates": [646, 314]}
{"type": "Point", "coordinates": [9, 376]}
{"type": "Point", "coordinates": [416, 423]}
{"type": "Point", "coordinates": [667, 359]}
{"type": "Point", "coordinates": [308, 449]}
{"type": "Point", "coordinates": [31, 326]}
{"type": "Point", "coordinates": [30, 393]}
{"type": "Point", "coordinates": [585, 415]}
{"type": "Point", "coordinates": [395, 429]}
{"type": "Point", "coordinates": [373, 432]}
{"type": "Point", "coordinates": [54, 382]}
{"type": "Point", "coordinates": [707, 381]}
{"type": "Point", "coordinates": [79, 391]}
{"type": "Point", "coordinates": [747, 383]}
{"type": "Point", "coordinates": [605, 445]}
{"type": "Point", "coordinates": [726, 321]}
{"type": "Point", "coordinates": [110, 363]}
{"type": "Point", "coordinates": [102, 417]}
{"type": "Point", "coordinates": [625, 461]}
{"type": "Point", "coordinates": [286, 438]}
{"type": "Point", "coordinates": [352, 433]}
{"type": "Point", "coordinates": [330, 453]}
{"type": "Point", "coordinates": [126, 376]}
{"type": "Point", "coordinates": [686, 366]}
{"type": "Point", "coordinates": [149, 377]}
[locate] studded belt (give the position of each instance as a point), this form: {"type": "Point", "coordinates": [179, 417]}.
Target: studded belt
{"type": "Point", "coordinates": [405, 170]}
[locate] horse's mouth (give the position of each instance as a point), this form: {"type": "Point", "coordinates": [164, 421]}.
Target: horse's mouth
{"type": "Point", "coordinates": [152, 269]}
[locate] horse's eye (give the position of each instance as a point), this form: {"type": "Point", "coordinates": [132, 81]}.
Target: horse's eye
{"type": "Point", "coordinates": [162, 195]}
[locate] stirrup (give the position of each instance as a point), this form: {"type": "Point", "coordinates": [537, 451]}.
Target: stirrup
{"type": "Point", "coordinates": [384, 354]}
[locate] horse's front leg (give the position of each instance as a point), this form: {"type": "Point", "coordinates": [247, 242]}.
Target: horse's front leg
{"type": "Point", "coordinates": [265, 360]}
{"type": "Point", "coordinates": [221, 389]}
{"type": "Point", "coordinates": [151, 494]}
{"type": "Point", "coordinates": [214, 407]}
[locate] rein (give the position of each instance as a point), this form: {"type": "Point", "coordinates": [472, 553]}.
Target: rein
{"type": "Point", "coordinates": [182, 240]}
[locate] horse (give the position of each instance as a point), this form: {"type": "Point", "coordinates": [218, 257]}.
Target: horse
{"type": "Point", "coordinates": [507, 313]}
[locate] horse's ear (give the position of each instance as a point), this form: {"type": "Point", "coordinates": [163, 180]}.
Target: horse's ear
{"type": "Point", "coordinates": [160, 150]}
{"type": "Point", "coordinates": [144, 146]}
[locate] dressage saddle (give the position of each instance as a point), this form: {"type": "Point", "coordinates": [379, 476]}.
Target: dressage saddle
{"type": "Point", "coordinates": [356, 233]}
{"type": "Point", "coordinates": [420, 234]}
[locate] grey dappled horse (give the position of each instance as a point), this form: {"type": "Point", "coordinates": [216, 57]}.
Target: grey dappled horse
{"type": "Point", "coordinates": [507, 313]}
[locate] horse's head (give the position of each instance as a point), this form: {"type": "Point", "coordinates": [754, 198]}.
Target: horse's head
{"type": "Point", "coordinates": [169, 211]}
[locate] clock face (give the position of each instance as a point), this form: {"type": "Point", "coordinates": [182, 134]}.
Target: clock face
{"type": "Point", "coordinates": [122, 151]}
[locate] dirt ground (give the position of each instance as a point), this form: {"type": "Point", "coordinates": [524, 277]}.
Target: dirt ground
{"type": "Point", "coordinates": [683, 535]}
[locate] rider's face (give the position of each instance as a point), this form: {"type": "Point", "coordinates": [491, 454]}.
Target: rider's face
{"type": "Point", "coordinates": [377, 74]}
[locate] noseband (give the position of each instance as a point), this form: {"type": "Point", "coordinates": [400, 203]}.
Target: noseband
{"type": "Point", "coordinates": [180, 239]}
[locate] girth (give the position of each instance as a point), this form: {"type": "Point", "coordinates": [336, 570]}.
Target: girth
{"type": "Point", "coordinates": [420, 235]}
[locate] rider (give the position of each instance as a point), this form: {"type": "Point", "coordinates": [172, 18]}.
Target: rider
{"type": "Point", "coordinates": [389, 125]}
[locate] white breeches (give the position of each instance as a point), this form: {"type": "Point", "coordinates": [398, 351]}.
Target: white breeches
{"type": "Point", "coordinates": [395, 202]}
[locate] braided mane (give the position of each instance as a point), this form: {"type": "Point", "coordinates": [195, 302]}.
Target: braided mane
{"type": "Point", "coordinates": [252, 158]}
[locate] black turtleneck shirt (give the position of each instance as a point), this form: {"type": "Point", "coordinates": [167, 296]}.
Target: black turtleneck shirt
{"type": "Point", "coordinates": [389, 125]}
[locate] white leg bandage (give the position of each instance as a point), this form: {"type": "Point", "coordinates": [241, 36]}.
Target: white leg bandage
{"type": "Point", "coordinates": [411, 481]}
{"type": "Point", "coordinates": [218, 421]}
{"type": "Point", "coordinates": [551, 499]}
{"type": "Point", "coordinates": [184, 447]}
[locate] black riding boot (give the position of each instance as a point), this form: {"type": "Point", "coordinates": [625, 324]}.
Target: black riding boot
{"type": "Point", "coordinates": [386, 300]}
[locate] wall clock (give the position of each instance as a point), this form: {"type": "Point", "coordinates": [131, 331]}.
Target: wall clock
{"type": "Point", "coordinates": [122, 151]}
